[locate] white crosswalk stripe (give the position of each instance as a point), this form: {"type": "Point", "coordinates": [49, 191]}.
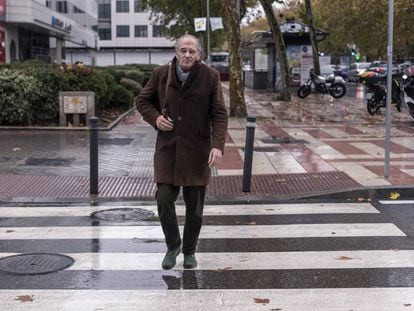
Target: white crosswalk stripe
{"type": "Point", "coordinates": [224, 280]}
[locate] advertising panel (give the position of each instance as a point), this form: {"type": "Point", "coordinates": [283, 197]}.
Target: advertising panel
{"type": "Point", "coordinates": [2, 44]}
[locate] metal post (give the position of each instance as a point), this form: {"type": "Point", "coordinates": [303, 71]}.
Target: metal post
{"type": "Point", "coordinates": [208, 32]}
{"type": "Point", "coordinates": [389, 88]}
{"type": "Point", "coordinates": [248, 153]}
{"type": "Point", "coordinates": [93, 155]}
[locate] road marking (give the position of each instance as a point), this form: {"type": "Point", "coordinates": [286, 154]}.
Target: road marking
{"type": "Point", "coordinates": [209, 210]}
{"type": "Point", "coordinates": [207, 232]}
{"type": "Point", "coordinates": [318, 299]}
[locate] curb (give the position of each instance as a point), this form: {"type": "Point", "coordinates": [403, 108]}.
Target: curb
{"type": "Point", "coordinates": [61, 128]}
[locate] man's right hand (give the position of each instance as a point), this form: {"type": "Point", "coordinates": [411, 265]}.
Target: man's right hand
{"type": "Point", "coordinates": [164, 124]}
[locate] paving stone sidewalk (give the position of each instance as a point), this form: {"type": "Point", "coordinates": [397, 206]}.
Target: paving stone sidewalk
{"type": "Point", "coordinates": [305, 147]}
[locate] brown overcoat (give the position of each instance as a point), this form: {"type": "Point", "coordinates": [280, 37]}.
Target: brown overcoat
{"type": "Point", "coordinates": [200, 123]}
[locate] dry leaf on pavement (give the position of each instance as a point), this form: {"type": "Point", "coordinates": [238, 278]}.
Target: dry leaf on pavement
{"type": "Point", "coordinates": [25, 298]}
{"type": "Point", "coordinates": [261, 300]}
{"type": "Point", "coordinates": [394, 195]}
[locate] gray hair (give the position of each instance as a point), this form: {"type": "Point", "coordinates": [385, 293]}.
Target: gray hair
{"type": "Point", "coordinates": [178, 42]}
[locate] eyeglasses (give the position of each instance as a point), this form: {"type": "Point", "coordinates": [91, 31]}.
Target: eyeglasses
{"type": "Point", "coordinates": [185, 51]}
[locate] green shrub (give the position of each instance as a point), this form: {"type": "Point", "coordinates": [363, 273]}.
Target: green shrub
{"type": "Point", "coordinates": [131, 85]}
{"type": "Point", "coordinates": [18, 93]}
{"type": "Point", "coordinates": [121, 97]}
{"type": "Point", "coordinates": [135, 75]}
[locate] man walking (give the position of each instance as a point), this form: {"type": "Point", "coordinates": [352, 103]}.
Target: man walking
{"type": "Point", "coordinates": [183, 101]}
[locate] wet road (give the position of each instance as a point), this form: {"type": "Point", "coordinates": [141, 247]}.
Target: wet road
{"type": "Point", "coordinates": [251, 257]}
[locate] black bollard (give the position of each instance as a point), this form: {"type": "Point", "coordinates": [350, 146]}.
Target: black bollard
{"type": "Point", "coordinates": [248, 153]}
{"type": "Point", "coordinates": [93, 155]}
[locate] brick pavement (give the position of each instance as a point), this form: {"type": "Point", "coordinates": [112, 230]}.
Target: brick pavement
{"type": "Point", "coordinates": [302, 148]}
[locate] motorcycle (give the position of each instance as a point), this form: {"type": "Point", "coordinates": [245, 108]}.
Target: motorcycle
{"type": "Point", "coordinates": [376, 93]}
{"type": "Point", "coordinates": [334, 85]}
{"type": "Point", "coordinates": [402, 92]}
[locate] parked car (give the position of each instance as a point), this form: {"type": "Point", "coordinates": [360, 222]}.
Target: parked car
{"type": "Point", "coordinates": [342, 71]}
{"type": "Point", "coordinates": [220, 61]}
{"type": "Point", "coordinates": [327, 70]}
{"type": "Point", "coordinates": [355, 70]}
{"type": "Point", "coordinates": [381, 69]}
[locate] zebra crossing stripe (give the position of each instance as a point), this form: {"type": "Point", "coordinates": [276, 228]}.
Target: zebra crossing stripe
{"type": "Point", "coordinates": [210, 232]}
{"type": "Point", "coordinates": [209, 210]}
{"type": "Point", "coordinates": [396, 202]}
{"type": "Point", "coordinates": [317, 299]}
{"type": "Point", "coordinates": [248, 260]}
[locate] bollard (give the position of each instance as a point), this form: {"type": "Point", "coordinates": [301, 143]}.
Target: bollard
{"type": "Point", "coordinates": [93, 155]}
{"type": "Point", "coordinates": [248, 153]}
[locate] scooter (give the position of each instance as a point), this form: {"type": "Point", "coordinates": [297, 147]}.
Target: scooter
{"type": "Point", "coordinates": [408, 89]}
{"type": "Point", "coordinates": [334, 85]}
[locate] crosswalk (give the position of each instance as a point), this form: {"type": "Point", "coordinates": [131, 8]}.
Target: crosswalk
{"type": "Point", "coordinates": [314, 256]}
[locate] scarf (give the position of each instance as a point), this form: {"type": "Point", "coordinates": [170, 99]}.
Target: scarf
{"type": "Point", "coordinates": [182, 76]}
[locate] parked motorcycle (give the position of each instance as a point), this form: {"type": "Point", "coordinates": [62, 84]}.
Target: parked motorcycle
{"type": "Point", "coordinates": [402, 92]}
{"type": "Point", "coordinates": [376, 93]}
{"type": "Point", "coordinates": [333, 85]}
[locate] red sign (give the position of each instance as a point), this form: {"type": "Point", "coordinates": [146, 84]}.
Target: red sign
{"type": "Point", "coordinates": [3, 10]}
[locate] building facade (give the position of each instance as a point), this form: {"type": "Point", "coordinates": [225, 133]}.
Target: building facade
{"type": "Point", "coordinates": [128, 34]}
{"type": "Point", "coordinates": [42, 29]}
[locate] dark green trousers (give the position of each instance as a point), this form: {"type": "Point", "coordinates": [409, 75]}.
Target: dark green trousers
{"type": "Point", "coordinates": [194, 197]}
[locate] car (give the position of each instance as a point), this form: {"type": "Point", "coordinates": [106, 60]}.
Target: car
{"type": "Point", "coordinates": [355, 70]}
{"type": "Point", "coordinates": [342, 71]}
{"type": "Point", "coordinates": [220, 61]}
{"type": "Point", "coordinates": [326, 71]}
{"type": "Point", "coordinates": [381, 69]}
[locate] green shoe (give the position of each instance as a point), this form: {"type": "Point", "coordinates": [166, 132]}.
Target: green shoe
{"type": "Point", "coordinates": [169, 259]}
{"type": "Point", "coordinates": [190, 262]}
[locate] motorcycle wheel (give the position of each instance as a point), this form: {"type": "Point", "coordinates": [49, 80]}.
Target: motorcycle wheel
{"type": "Point", "coordinates": [304, 91]}
{"type": "Point", "coordinates": [372, 106]}
{"type": "Point", "coordinates": [337, 90]}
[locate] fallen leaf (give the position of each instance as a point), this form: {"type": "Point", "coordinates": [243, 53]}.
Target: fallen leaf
{"type": "Point", "coordinates": [333, 232]}
{"type": "Point", "coordinates": [9, 231]}
{"type": "Point", "coordinates": [224, 269]}
{"type": "Point", "coordinates": [344, 258]}
{"type": "Point", "coordinates": [251, 223]}
{"type": "Point", "coordinates": [395, 249]}
{"type": "Point", "coordinates": [269, 209]}
{"type": "Point", "coordinates": [261, 300]}
{"type": "Point", "coordinates": [360, 199]}
{"type": "Point", "coordinates": [25, 298]}
{"type": "Point", "coordinates": [394, 195]}
{"type": "Point", "coordinates": [280, 180]}
{"type": "Point", "coordinates": [407, 305]}
{"type": "Point", "coordinates": [16, 149]}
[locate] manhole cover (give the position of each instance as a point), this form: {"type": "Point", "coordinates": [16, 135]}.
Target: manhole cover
{"type": "Point", "coordinates": [283, 140]}
{"type": "Point", "coordinates": [115, 141]}
{"type": "Point", "coordinates": [35, 263]}
{"type": "Point", "coordinates": [123, 214]}
{"type": "Point", "coordinates": [49, 161]}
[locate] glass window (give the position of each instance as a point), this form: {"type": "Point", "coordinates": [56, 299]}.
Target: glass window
{"type": "Point", "coordinates": [139, 6]}
{"type": "Point", "coordinates": [104, 10]}
{"type": "Point", "coordinates": [122, 31]}
{"type": "Point", "coordinates": [61, 6]}
{"type": "Point", "coordinates": [122, 6]}
{"type": "Point", "coordinates": [77, 10]}
{"type": "Point", "coordinates": [158, 31]}
{"type": "Point", "coordinates": [105, 34]}
{"type": "Point", "coordinates": [141, 31]}
{"type": "Point", "coordinates": [48, 4]}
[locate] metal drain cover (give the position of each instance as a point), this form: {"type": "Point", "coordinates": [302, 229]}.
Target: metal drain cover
{"type": "Point", "coordinates": [123, 214]}
{"type": "Point", "coordinates": [35, 263]}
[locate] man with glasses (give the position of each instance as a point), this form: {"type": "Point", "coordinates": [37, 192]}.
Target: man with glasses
{"type": "Point", "coordinates": [183, 101]}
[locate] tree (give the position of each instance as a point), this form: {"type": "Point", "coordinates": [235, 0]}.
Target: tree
{"type": "Point", "coordinates": [312, 35]}
{"type": "Point", "coordinates": [280, 48]}
{"type": "Point", "coordinates": [232, 22]}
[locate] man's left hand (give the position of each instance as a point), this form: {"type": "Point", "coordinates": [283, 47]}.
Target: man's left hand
{"type": "Point", "coordinates": [215, 157]}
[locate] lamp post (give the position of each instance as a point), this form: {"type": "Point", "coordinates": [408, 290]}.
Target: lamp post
{"type": "Point", "coordinates": [208, 32]}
